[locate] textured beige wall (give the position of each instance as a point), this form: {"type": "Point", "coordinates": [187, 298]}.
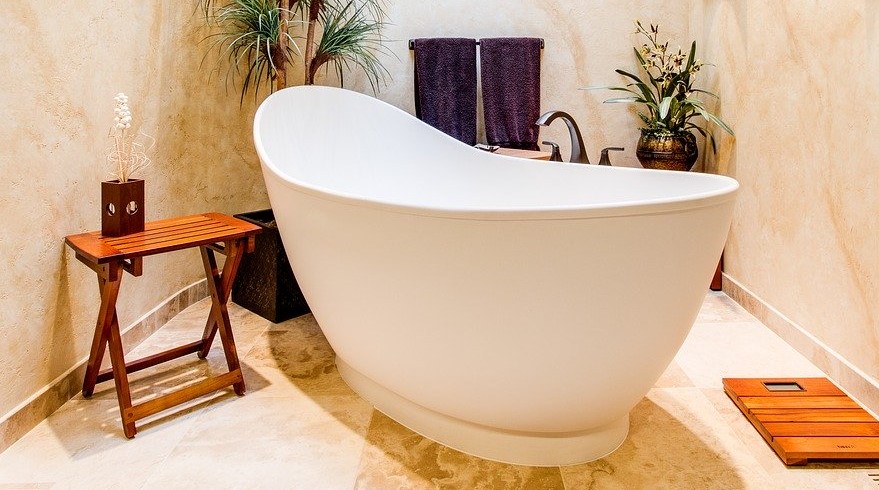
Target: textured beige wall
{"type": "Point", "coordinates": [63, 64]}
{"type": "Point", "coordinates": [798, 81]}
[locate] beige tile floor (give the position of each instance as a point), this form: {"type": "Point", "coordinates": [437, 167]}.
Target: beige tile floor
{"type": "Point", "coordinates": [299, 426]}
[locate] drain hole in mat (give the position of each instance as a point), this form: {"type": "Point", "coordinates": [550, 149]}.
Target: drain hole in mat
{"type": "Point", "coordinates": [783, 386]}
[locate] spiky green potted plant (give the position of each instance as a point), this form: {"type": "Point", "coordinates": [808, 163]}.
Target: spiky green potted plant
{"type": "Point", "coordinates": [258, 39]}
{"type": "Point", "coordinates": [668, 102]}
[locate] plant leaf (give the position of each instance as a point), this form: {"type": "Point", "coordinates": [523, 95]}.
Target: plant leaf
{"type": "Point", "coordinates": [716, 120]}
{"type": "Point", "coordinates": [604, 87]}
{"type": "Point", "coordinates": [351, 37]}
{"type": "Point", "coordinates": [664, 107]}
{"type": "Point", "coordinates": [638, 57]}
{"type": "Point", "coordinates": [250, 33]}
{"type": "Point", "coordinates": [623, 100]}
{"type": "Point", "coordinates": [704, 92]}
{"type": "Point", "coordinates": [627, 74]}
{"type": "Point", "coordinates": [692, 57]}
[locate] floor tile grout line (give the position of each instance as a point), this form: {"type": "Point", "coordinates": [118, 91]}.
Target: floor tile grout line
{"type": "Point", "coordinates": [363, 448]}
{"type": "Point", "coordinates": [262, 332]}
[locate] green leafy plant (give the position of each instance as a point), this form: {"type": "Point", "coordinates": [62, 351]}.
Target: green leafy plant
{"type": "Point", "coordinates": [666, 91]}
{"type": "Point", "coordinates": [258, 38]}
{"type": "Point", "coordinates": [254, 36]}
{"type": "Point", "coordinates": [350, 36]}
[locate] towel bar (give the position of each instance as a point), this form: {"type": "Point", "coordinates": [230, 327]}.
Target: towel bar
{"type": "Point", "coordinates": [412, 43]}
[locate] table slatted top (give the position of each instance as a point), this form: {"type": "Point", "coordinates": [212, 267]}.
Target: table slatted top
{"type": "Point", "coordinates": [161, 236]}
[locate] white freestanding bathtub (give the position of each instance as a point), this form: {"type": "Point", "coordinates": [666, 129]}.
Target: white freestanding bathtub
{"type": "Point", "coordinates": [512, 309]}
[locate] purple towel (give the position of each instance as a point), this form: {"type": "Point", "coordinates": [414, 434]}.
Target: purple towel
{"type": "Point", "coordinates": [445, 85]}
{"type": "Point", "coordinates": [511, 90]}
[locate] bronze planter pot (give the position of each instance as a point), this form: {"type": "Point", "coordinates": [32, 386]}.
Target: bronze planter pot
{"type": "Point", "coordinates": [673, 151]}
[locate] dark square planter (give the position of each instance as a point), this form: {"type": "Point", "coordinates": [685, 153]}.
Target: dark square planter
{"type": "Point", "coordinates": [122, 207]}
{"type": "Point", "coordinates": [265, 283]}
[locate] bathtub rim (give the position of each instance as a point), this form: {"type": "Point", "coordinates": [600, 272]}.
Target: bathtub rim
{"type": "Point", "coordinates": [596, 210]}
{"type": "Point", "coordinates": [592, 211]}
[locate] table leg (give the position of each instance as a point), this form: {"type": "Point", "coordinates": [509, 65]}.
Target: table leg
{"type": "Point", "coordinates": [99, 345]}
{"type": "Point", "coordinates": [213, 277]}
{"type": "Point", "coordinates": [220, 286]}
{"type": "Point", "coordinates": [107, 276]}
{"type": "Point", "coordinates": [107, 332]}
{"type": "Point", "coordinates": [120, 377]}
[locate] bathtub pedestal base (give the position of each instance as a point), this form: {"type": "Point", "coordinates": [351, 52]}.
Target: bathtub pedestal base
{"type": "Point", "coordinates": [514, 447]}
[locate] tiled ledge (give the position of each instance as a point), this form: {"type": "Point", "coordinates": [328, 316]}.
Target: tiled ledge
{"type": "Point", "coordinates": [849, 377]}
{"type": "Point", "coordinates": [43, 403]}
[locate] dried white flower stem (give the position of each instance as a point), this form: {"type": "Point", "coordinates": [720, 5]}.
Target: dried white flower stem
{"type": "Point", "coordinates": [128, 155]}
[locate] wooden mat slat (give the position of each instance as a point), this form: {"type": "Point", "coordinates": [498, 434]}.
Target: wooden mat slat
{"type": "Point", "coordinates": [822, 429]}
{"type": "Point", "coordinates": [757, 402]}
{"type": "Point", "coordinates": [828, 448]}
{"type": "Point", "coordinates": [818, 423]}
{"type": "Point", "coordinates": [810, 415]}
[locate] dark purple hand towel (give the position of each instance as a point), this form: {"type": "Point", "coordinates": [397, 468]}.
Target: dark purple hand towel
{"type": "Point", "coordinates": [511, 90]}
{"type": "Point", "coordinates": [445, 85]}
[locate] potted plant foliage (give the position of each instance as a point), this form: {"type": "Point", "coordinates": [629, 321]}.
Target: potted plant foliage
{"type": "Point", "coordinates": [259, 40]}
{"type": "Point", "coordinates": [669, 103]}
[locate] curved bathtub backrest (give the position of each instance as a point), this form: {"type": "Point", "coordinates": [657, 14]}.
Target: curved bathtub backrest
{"type": "Point", "coordinates": [346, 132]}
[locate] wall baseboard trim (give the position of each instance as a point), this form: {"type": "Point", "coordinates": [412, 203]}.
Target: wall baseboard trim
{"type": "Point", "coordinates": [21, 419]}
{"type": "Point", "coordinates": [853, 380]}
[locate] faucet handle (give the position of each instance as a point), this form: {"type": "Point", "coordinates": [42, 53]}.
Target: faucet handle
{"type": "Point", "coordinates": [605, 158]}
{"type": "Point", "coordinates": [556, 153]}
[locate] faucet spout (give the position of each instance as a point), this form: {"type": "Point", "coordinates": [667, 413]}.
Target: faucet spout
{"type": "Point", "coordinates": [577, 153]}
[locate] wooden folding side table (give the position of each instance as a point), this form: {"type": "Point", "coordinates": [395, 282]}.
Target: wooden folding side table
{"type": "Point", "coordinates": [109, 257]}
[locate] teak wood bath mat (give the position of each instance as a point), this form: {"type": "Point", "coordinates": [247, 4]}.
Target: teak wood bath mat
{"type": "Point", "coordinates": [805, 419]}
